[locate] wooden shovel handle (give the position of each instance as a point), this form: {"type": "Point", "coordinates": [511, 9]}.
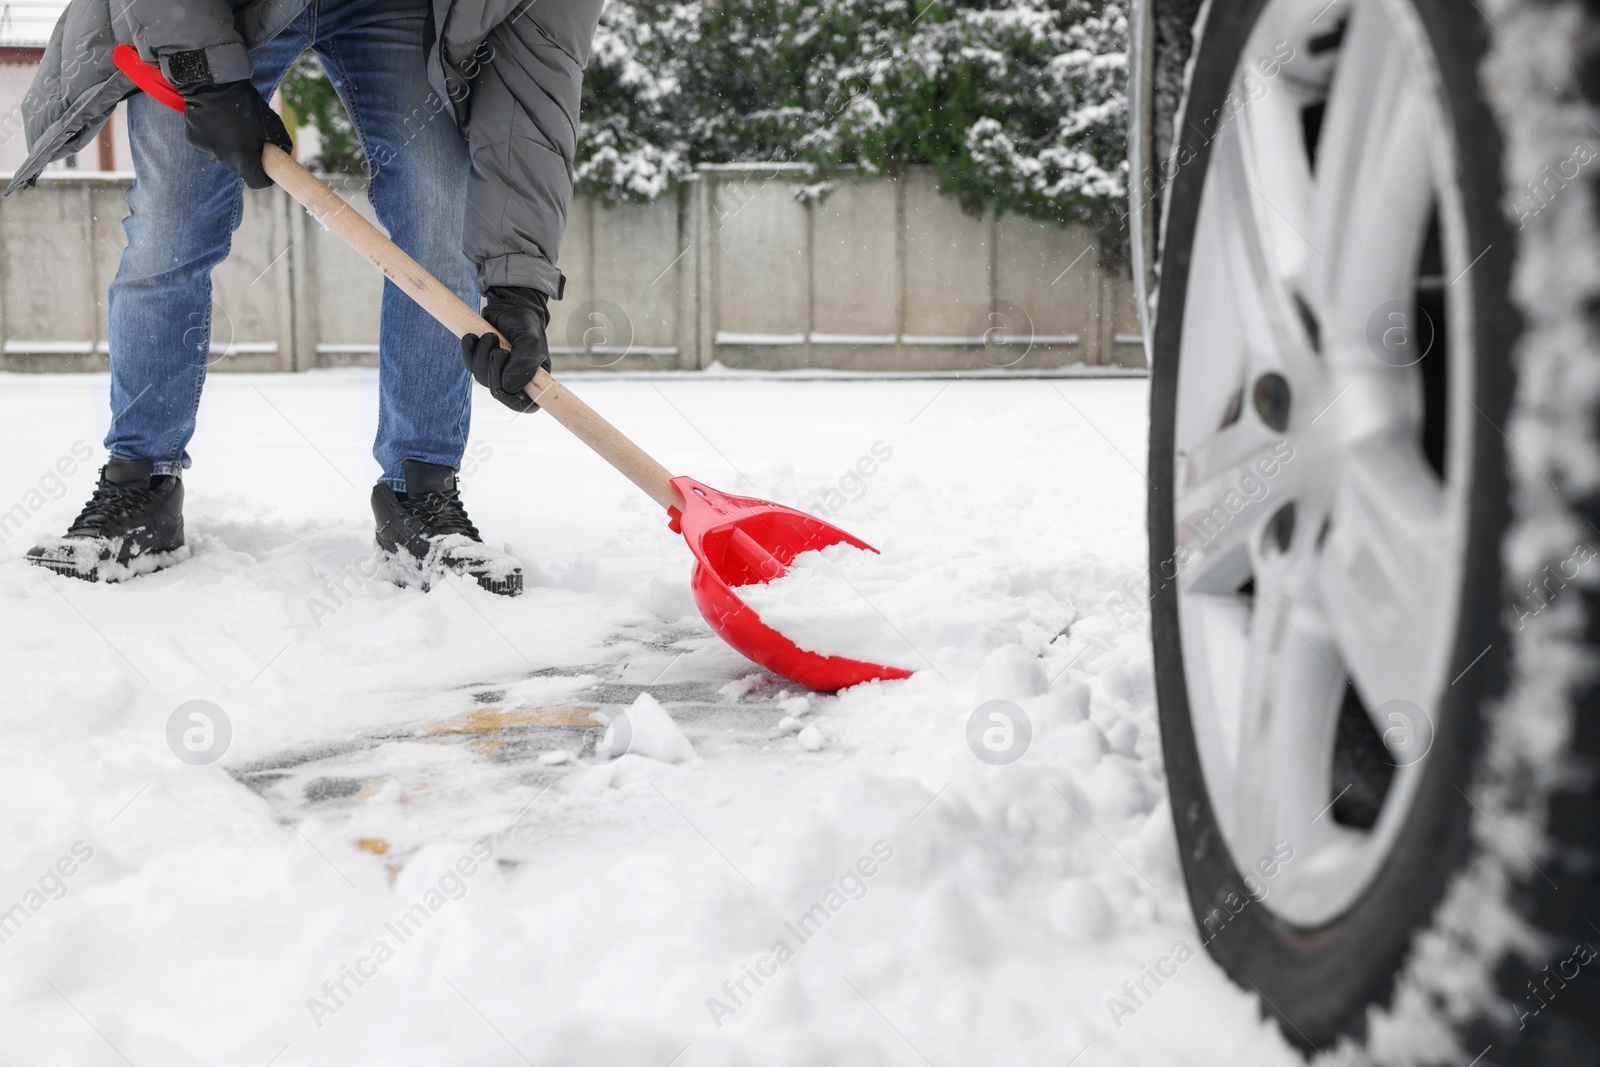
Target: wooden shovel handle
{"type": "Point", "coordinates": [328, 208]}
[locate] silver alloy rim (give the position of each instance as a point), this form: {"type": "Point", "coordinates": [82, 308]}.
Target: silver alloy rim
{"type": "Point", "coordinates": [1320, 543]}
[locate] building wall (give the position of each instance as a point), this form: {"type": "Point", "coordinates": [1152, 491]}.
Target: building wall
{"type": "Point", "coordinates": [14, 81]}
{"type": "Point", "coordinates": [17, 67]}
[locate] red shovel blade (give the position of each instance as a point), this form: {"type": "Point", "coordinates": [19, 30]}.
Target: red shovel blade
{"type": "Point", "coordinates": [738, 540]}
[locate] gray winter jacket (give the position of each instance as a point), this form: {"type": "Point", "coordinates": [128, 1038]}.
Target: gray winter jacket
{"type": "Point", "coordinates": [511, 70]}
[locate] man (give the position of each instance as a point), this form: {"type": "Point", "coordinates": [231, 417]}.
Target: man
{"type": "Point", "coordinates": [469, 135]}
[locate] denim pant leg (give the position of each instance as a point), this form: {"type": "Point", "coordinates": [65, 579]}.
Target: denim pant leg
{"type": "Point", "coordinates": [374, 53]}
{"type": "Point", "coordinates": [183, 211]}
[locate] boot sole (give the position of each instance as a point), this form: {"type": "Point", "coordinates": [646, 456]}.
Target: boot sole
{"type": "Point", "coordinates": [114, 572]}
{"type": "Point", "coordinates": [407, 571]}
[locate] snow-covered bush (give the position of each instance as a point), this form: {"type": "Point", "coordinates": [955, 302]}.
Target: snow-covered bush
{"type": "Point", "coordinates": [1017, 103]}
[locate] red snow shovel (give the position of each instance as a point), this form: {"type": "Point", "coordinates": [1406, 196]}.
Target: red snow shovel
{"type": "Point", "coordinates": [735, 540]}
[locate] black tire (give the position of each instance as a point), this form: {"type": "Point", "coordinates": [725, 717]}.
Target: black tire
{"type": "Point", "coordinates": [1324, 984]}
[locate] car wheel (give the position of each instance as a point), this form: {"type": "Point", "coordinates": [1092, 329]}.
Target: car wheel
{"type": "Point", "coordinates": [1331, 382]}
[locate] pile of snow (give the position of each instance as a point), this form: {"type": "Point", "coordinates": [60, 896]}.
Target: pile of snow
{"type": "Point", "coordinates": [916, 607]}
{"type": "Point", "coordinates": [941, 903]}
{"type": "Point", "coordinates": [645, 729]}
{"type": "Point", "coordinates": [822, 603]}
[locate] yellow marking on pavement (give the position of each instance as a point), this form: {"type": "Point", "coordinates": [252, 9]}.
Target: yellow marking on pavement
{"type": "Point", "coordinates": [488, 720]}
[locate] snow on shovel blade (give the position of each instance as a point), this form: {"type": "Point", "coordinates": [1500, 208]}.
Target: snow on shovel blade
{"type": "Point", "coordinates": [739, 540]}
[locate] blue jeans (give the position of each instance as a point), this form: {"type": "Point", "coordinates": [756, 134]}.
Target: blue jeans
{"type": "Point", "coordinates": [185, 208]}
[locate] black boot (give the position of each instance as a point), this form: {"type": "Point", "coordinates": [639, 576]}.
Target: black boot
{"type": "Point", "coordinates": [133, 524]}
{"type": "Point", "coordinates": [425, 532]}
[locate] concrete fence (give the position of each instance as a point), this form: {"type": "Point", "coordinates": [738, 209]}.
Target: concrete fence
{"type": "Point", "coordinates": [732, 267]}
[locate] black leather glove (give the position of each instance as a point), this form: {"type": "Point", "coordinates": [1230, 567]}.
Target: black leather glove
{"type": "Point", "coordinates": [230, 123]}
{"type": "Point", "coordinates": [520, 315]}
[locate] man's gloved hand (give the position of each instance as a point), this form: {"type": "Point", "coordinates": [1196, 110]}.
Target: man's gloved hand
{"type": "Point", "coordinates": [520, 315]}
{"type": "Point", "coordinates": [230, 123]}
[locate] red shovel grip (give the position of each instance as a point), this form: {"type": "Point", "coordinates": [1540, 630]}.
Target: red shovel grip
{"type": "Point", "coordinates": [146, 77]}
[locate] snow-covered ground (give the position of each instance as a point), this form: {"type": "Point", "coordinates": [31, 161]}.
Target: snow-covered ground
{"type": "Point", "coordinates": [410, 851]}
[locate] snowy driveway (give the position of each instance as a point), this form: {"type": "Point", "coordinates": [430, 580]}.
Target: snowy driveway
{"type": "Point", "coordinates": [409, 852]}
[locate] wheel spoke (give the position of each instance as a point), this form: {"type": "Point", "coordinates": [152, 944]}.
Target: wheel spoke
{"type": "Point", "coordinates": [1216, 328]}
{"type": "Point", "coordinates": [1292, 695]}
{"type": "Point", "coordinates": [1383, 571]}
{"type": "Point", "coordinates": [1229, 485]}
{"type": "Point", "coordinates": [1262, 201]}
{"type": "Point", "coordinates": [1373, 185]}
{"type": "Point", "coordinates": [1279, 184]}
{"type": "Point", "coordinates": [1217, 641]}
